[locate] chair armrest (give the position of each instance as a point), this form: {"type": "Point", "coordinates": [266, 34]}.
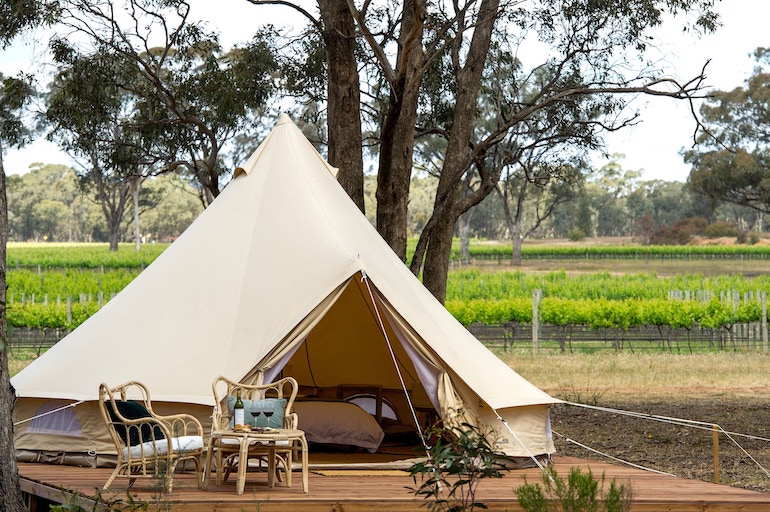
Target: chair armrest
{"type": "Point", "coordinates": [181, 424]}
{"type": "Point", "coordinates": [290, 421]}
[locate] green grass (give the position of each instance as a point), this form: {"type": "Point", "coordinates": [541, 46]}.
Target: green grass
{"type": "Point", "coordinates": [71, 255]}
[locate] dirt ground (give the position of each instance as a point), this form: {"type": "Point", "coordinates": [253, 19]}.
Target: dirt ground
{"type": "Point", "coordinates": [683, 451]}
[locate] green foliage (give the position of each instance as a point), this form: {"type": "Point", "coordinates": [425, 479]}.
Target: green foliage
{"type": "Point", "coordinates": [580, 492]}
{"type": "Point", "coordinates": [75, 502]}
{"type": "Point", "coordinates": [576, 235]}
{"type": "Point", "coordinates": [720, 229]}
{"type": "Point", "coordinates": [15, 95]}
{"type": "Point", "coordinates": [603, 300]}
{"type": "Point", "coordinates": [459, 458]}
{"type": "Point", "coordinates": [51, 273]}
{"type": "Point", "coordinates": [93, 256]}
{"type": "Point", "coordinates": [481, 249]}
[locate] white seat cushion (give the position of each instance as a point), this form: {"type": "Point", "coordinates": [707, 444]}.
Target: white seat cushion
{"type": "Point", "coordinates": [178, 444]}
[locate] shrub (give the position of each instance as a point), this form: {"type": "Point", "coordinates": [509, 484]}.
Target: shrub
{"type": "Point", "coordinates": [580, 492]}
{"type": "Point", "coordinates": [720, 229]}
{"type": "Point", "coordinates": [458, 459]}
{"type": "Point", "coordinates": [576, 235]}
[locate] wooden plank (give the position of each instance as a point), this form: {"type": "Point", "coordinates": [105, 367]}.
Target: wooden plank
{"type": "Point", "coordinates": [362, 493]}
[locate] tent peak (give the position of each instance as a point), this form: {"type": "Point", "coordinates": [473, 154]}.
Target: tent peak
{"type": "Point", "coordinates": [283, 119]}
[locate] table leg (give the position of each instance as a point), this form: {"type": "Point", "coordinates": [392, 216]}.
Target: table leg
{"type": "Point", "coordinates": [303, 442]}
{"type": "Point", "coordinates": [271, 466]}
{"type": "Point", "coordinates": [243, 462]}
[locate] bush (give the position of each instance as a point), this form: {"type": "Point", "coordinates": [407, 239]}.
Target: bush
{"type": "Point", "coordinates": [720, 229]}
{"type": "Point", "coordinates": [458, 459]}
{"type": "Point", "coordinates": [580, 492]}
{"type": "Point", "coordinates": [576, 235]}
{"type": "Point", "coordinates": [680, 233]}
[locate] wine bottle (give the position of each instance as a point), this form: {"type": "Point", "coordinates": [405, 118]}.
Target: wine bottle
{"type": "Point", "coordinates": [238, 418]}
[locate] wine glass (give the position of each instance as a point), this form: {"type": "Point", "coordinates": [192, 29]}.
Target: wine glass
{"type": "Point", "coordinates": [268, 411]}
{"type": "Point", "coordinates": [256, 410]}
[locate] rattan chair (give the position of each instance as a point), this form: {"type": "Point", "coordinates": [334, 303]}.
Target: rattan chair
{"type": "Point", "coordinates": [148, 444]}
{"type": "Point", "coordinates": [226, 451]}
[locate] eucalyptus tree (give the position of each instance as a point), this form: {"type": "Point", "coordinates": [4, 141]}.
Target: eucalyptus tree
{"type": "Point", "coordinates": [90, 118]}
{"type": "Point", "coordinates": [189, 97]}
{"type": "Point", "coordinates": [15, 95]}
{"type": "Point", "coordinates": [732, 160]}
{"type": "Point", "coordinates": [579, 87]}
{"type": "Point", "coordinates": [593, 57]}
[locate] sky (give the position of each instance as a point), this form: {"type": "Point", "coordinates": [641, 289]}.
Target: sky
{"type": "Point", "coordinates": [653, 146]}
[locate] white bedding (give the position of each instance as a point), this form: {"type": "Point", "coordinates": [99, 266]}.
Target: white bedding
{"type": "Point", "coordinates": [338, 423]}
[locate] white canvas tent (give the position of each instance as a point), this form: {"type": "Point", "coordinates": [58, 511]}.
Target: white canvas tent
{"type": "Point", "coordinates": [281, 273]}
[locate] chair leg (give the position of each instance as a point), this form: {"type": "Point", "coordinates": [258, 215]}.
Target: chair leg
{"type": "Point", "coordinates": [112, 478]}
{"type": "Point", "coordinates": [288, 465]}
{"type": "Point", "coordinates": [199, 470]}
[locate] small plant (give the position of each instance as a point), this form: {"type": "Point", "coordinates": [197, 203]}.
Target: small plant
{"type": "Point", "coordinates": [77, 502]}
{"type": "Point", "coordinates": [580, 492]}
{"type": "Point", "coordinates": [458, 459]}
{"type": "Point", "coordinates": [588, 395]}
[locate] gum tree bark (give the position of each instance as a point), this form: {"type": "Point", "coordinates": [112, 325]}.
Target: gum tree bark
{"type": "Point", "coordinates": [10, 493]}
{"type": "Point", "coordinates": [344, 98]}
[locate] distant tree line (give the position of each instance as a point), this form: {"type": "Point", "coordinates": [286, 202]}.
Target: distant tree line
{"type": "Point", "coordinates": [611, 202]}
{"type": "Point", "coordinates": [49, 204]}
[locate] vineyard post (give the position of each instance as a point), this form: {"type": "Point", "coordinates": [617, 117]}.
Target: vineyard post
{"type": "Point", "coordinates": [764, 322]}
{"type": "Point", "coordinates": [715, 449]}
{"type": "Point", "coordinates": [536, 295]}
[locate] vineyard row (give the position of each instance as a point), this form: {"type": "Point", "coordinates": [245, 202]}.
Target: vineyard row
{"type": "Point", "coordinates": [595, 314]}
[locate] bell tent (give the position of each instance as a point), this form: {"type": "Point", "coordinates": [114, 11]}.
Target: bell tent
{"type": "Point", "coordinates": [281, 274]}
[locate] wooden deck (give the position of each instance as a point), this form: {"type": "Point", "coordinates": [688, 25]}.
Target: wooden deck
{"type": "Point", "coordinates": [348, 490]}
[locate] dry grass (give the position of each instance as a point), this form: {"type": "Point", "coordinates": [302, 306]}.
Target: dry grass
{"type": "Point", "coordinates": [19, 358]}
{"type": "Point", "coordinates": [609, 374]}
{"type": "Point", "coordinates": [586, 377]}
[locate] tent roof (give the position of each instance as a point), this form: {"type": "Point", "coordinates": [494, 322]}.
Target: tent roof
{"type": "Point", "coordinates": [280, 238]}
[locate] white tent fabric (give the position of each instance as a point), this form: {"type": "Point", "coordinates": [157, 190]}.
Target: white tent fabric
{"type": "Point", "coordinates": [278, 260]}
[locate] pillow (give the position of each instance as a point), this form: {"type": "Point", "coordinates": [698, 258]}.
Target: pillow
{"type": "Point", "coordinates": [338, 423]}
{"type": "Point", "coordinates": [133, 410]}
{"type": "Point", "coordinates": [275, 421]}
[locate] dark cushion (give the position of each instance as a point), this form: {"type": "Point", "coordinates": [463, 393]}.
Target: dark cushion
{"type": "Point", "coordinates": [133, 410]}
{"type": "Point", "coordinates": [275, 421]}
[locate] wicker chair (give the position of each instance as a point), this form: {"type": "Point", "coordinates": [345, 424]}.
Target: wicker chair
{"type": "Point", "coordinates": [147, 444]}
{"type": "Point", "coordinates": [226, 450]}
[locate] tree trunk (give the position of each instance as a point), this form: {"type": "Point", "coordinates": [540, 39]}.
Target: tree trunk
{"type": "Point", "coordinates": [464, 229]}
{"type": "Point", "coordinates": [437, 256]}
{"type": "Point", "coordinates": [516, 244]}
{"type": "Point", "coordinates": [397, 132]}
{"type": "Point", "coordinates": [344, 98]}
{"type": "Point", "coordinates": [10, 493]}
{"type": "Point", "coordinates": [135, 183]}
{"type": "Point", "coordinates": [457, 159]}
{"type": "Point", "coordinates": [514, 221]}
